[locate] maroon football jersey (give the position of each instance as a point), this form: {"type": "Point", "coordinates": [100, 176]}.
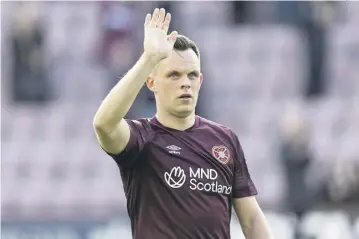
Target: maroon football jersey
{"type": "Point", "coordinates": [180, 184]}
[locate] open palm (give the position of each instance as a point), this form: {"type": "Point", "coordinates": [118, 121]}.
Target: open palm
{"type": "Point", "coordinates": [157, 43]}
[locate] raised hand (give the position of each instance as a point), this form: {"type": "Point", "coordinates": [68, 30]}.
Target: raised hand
{"type": "Point", "coordinates": [157, 44]}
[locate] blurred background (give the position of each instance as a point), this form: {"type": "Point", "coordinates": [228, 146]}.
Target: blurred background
{"type": "Point", "coordinates": [283, 75]}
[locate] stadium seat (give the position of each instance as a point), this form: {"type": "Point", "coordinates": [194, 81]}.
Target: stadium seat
{"type": "Point", "coordinates": [352, 11]}
{"type": "Point", "coordinates": [356, 228]}
{"type": "Point", "coordinates": [313, 223]}
{"type": "Point", "coordinates": [343, 57]}
{"type": "Point", "coordinates": [236, 230]}
{"type": "Point", "coordinates": [115, 229]}
{"type": "Point", "coordinates": [209, 14]}
{"type": "Point", "coordinates": [331, 225]}
{"type": "Point", "coordinates": [281, 225]}
{"type": "Point", "coordinates": [337, 227]}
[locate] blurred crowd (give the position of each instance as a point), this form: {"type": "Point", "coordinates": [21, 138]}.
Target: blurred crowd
{"type": "Point", "coordinates": [283, 75]}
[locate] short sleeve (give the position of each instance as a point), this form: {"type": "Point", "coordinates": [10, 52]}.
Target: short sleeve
{"type": "Point", "coordinates": [140, 134]}
{"type": "Point", "coordinates": [243, 185]}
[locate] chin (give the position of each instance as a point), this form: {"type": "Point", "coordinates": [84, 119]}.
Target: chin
{"type": "Point", "coordinates": [183, 112]}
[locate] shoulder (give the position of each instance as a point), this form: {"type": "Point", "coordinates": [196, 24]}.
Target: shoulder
{"type": "Point", "coordinates": [223, 135]}
{"type": "Point", "coordinates": [217, 128]}
{"type": "Point", "coordinates": [139, 121]}
{"type": "Point", "coordinates": [140, 124]}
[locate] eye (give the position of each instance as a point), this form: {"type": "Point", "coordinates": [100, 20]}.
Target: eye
{"type": "Point", "coordinates": [173, 74]}
{"type": "Point", "coordinates": [193, 75]}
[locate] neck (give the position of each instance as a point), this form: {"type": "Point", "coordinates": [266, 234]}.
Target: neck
{"type": "Point", "coordinates": [174, 122]}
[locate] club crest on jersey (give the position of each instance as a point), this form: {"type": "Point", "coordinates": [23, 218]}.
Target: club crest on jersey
{"type": "Point", "coordinates": [221, 153]}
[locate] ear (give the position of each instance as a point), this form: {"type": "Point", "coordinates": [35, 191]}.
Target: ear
{"type": "Point", "coordinates": [150, 82]}
{"type": "Point", "coordinates": [201, 79]}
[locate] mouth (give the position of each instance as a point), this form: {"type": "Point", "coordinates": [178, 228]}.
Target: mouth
{"type": "Point", "coordinates": [185, 96]}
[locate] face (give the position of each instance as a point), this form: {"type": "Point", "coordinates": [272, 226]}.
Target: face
{"type": "Point", "coordinates": [176, 83]}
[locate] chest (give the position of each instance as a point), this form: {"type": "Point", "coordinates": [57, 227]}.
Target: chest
{"type": "Point", "coordinates": [201, 163]}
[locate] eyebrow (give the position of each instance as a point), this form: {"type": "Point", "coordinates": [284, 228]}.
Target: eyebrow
{"type": "Point", "coordinates": [196, 72]}
{"type": "Point", "coordinates": [172, 72]}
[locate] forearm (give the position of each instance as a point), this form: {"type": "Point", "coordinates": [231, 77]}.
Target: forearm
{"type": "Point", "coordinates": [257, 227]}
{"type": "Point", "coordinates": [120, 99]}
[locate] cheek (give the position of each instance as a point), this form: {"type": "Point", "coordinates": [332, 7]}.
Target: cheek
{"type": "Point", "coordinates": [169, 87]}
{"type": "Point", "coordinates": [164, 90]}
{"type": "Point", "coordinates": [196, 85]}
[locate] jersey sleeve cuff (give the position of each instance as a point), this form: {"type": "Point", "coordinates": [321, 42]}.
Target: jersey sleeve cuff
{"type": "Point", "coordinates": [245, 193]}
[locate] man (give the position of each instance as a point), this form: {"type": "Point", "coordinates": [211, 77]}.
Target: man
{"type": "Point", "coordinates": [181, 173]}
{"type": "Point", "coordinates": [29, 69]}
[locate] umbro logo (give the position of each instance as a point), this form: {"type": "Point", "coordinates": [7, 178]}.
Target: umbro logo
{"type": "Point", "coordinates": [173, 149]}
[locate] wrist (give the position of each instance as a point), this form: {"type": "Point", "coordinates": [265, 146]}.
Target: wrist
{"type": "Point", "coordinates": [151, 59]}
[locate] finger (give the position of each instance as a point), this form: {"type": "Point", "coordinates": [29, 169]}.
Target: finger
{"type": "Point", "coordinates": [147, 20]}
{"type": "Point", "coordinates": [166, 23]}
{"type": "Point", "coordinates": [172, 37]}
{"type": "Point", "coordinates": [161, 17]}
{"type": "Point", "coordinates": [154, 19]}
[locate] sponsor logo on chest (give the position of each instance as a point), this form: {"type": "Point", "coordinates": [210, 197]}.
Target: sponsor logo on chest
{"type": "Point", "coordinates": [200, 179]}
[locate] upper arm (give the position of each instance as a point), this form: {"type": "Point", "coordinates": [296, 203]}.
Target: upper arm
{"type": "Point", "coordinates": [125, 143]}
{"type": "Point", "coordinates": [243, 185]}
{"type": "Point", "coordinates": [114, 141]}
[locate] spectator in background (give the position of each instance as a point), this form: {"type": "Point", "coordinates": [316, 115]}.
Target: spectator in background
{"type": "Point", "coordinates": [312, 18]}
{"type": "Point", "coordinates": [29, 71]}
{"type": "Point", "coordinates": [119, 57]}
{"type": "Point", "coordinates": [240, 11]}
{"type": "Point", "coordinates": [117, 41]}
{"type": "Point", "coordinates": [117, 25]}
{"type": "Point", "coordinates": [296, 159]}
{"type": "Point", "coordinates": [343, 185]}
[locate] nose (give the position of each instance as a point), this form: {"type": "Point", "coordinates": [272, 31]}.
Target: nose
{"type": "Point", "coordinates": [185, 84]}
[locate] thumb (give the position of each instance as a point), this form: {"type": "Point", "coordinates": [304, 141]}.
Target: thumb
{"type": "Point", "coordinates": [172, 37]}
